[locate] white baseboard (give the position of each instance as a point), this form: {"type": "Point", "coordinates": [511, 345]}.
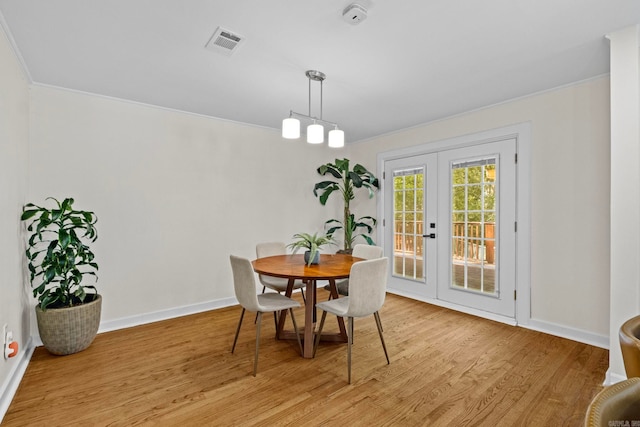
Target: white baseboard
{"type": "Point", "coordinates": [568, 332]}
{"type": "Point", "coordinates": [156, 316]}
{"type": "Point", "coordinates": [562, 331]}
{"type": "Point", "coordinates": [11, 383]}
{"type": "Point", "coordinates": [455, 307]}
{"type": "Point", "coordinates": [612, 378]}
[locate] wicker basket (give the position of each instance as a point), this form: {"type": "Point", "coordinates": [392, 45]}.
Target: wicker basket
{"type": "Point", "coordinates": [69, 330]}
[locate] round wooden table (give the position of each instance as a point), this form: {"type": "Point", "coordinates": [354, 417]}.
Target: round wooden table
{"type": "Point", "coordinates": [292, 267]}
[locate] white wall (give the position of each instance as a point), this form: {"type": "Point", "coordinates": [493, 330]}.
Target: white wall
{"type": "Point", "coordinates": [14, 306]}
{"type": "Point", "coordinates": [570, 196]}
{"type": "Point", "coordinates": [175, 194]}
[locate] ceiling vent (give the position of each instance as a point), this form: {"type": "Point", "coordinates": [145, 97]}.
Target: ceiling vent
{"type": "Point", "coordinates": [224, 42]}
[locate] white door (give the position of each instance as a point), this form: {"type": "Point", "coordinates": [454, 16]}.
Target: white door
{"type": "Point", "coordinates": [478, 227]}
{"type": "Point", "coordinates": [450, 224]}
{"type": "Point", "coordinates": [410, 187]}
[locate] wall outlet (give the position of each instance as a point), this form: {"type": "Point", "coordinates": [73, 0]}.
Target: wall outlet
{"type": "Point", "coordinates": [5, 341]}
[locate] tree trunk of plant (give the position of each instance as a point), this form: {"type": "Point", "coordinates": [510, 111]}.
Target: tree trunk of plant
{"type": "Point", "coordinates": [347, 227]}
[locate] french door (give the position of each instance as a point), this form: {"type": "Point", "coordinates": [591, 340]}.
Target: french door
{"type": "Point", "coordinates": [450, 225]}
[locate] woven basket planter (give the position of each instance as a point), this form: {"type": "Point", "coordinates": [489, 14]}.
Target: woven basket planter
{"type": "Point", "coordinates": [71, 329]}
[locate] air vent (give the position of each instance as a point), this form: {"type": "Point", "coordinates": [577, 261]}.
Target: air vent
{"type": "Point", "coordinates": [224, 41]}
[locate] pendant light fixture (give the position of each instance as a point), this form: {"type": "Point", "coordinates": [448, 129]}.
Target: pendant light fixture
{"type": "Point", "coordinates": [315, 131]}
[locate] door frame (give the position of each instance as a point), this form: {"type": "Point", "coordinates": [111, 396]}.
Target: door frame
{"type": "Point", "coordinates": [522, 134]}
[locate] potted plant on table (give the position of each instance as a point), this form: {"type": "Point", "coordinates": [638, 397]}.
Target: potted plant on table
{"type": "Point", "coordinates": [68, 310]}
{"type": "Point", "coordinates": [312, 243]}
{"type": "Point", "coordinates": [348, 181]}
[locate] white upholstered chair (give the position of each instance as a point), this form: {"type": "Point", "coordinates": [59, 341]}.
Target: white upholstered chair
{"type": "Point", "coordinates": [244, 284]}
{"type": "Point", "coordinates": [275, 283]}
{"type": "Point", "coordinates": [368, 284]}
{"type": "Point", "coordinates": [359, 251]}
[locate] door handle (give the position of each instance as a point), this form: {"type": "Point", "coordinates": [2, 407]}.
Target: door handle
{"type": "Point", "coordinates": [430, 236]}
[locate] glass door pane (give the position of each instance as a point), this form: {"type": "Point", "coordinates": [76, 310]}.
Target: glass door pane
{"type": "Point", "coordinates": [408, 215]}
{"type": "Point", "coordinates": [473, 216]}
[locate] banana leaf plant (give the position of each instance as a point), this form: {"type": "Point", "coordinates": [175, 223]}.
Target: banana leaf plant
{"type": "Point", "coordinates": [345, 183]}
{"type": "Point", "coordinates": [351, 230]}
{"type": "Point", "coordinates": [58, 255]}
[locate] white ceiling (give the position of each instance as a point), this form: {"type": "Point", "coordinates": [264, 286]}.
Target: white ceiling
{"type": "Point", "coordinates": [409, 62]}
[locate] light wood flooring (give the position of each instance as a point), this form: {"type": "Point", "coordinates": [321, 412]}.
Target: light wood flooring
{"type": "Point", "coordinates": [447, 369]}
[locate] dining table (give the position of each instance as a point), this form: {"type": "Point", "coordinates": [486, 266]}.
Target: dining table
{"type": "Point", "coordinates": [331, 267]}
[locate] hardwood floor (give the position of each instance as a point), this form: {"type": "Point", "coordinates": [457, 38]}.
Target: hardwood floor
{"type": "Point", "coordinates": [447, 369]}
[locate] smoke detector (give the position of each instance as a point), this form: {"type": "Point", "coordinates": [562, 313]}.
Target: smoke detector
{"type": "Point", "coordinates": [224, 41]}
{"type": "Point", "coordinates": [354, 14]}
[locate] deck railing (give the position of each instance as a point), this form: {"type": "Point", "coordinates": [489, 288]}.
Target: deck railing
{"type": "Point", "coordinates": [479, 243]}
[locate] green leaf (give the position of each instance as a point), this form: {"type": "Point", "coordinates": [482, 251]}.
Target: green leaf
{"type": "Point", "coordinates": [325, 195]}
{"type": "Point", "coordinates": [355, 178]}
{"type": "Point", "coordinates": [343, 164]}
{"type": "Point", "coordinates": [64, 238]}
{"type": "Point", "coordinates": [28, 214]}
{"type": "Point", "coordinates": [329, 168]}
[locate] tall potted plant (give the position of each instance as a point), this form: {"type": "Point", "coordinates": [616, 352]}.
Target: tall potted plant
{"type": "Point", "coordinates": [347, 181]}
{"type": "Point", "coordinates": [68, 310]}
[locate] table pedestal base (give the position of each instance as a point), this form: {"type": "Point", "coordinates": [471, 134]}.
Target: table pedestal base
{"type": "Point", "coordinates": [310, 319]}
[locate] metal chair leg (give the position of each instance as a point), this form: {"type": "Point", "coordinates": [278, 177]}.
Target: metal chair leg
{"type": "Point", "coordinates": [379, 325]}
{"type": "Point", "coordinates": [264, 288]}
{"type": "Point", "coordinates": [349, 344]}
{"type": "Point", "coordinates": [255, 361]}
{"type": "Point", "coordinates": [235, 340]}
{"type": "Point", "coordinates": [295, 328]}
{"type": "Point", "coordinates": [319, 333]}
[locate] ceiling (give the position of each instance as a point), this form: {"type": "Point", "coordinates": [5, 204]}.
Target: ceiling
{"type": "Point", "coordinates": [409, 62]}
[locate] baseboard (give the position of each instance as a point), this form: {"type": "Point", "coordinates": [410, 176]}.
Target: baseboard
{"type": "Point", "coordinates": [562, 331]}
{"type": "Point", "coordinates": [455, 307]}
{"type": "Point", "coordinates": [156, 316]}
{"type": "Point", "coordinates": [574, 334]}
{"type": "Point", "coordinates": [11, 383]}
{"type": "Point", "coordinates": [613, 378]}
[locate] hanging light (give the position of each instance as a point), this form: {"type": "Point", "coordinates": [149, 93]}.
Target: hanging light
{"type": "Point", "coordinates": [336, 138]}
{"type": "Point", "coordinates": [291, 128]}
{"type": "Point", "coordinates": [315, 131]}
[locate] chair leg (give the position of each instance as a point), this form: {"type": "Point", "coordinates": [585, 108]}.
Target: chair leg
{"type": "Point", "coordinates": [255, 361]}
{"type": "Point", "coordinates": [379, 325]}
{"type": "Point", "coordinates": [319, 333]}
{"type": "Point", "coordinates": [264, 288]}
{"type": "Point", "coordinates": [235, 340]}
{"type": "Point", "coordinates": [349, 344]}
{"type": "Point", "coordinates": [303, 297]}
{"type": "Point", "coordinates": [295, 329]}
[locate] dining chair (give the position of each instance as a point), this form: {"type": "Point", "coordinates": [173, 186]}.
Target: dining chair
{"type": "Point", "coordinates": [629, 337]}
{"type": "Point", "coordinates": [244, 284]}
{"type": "Point", "coordinates": [359, 251]}
{"type": "Point", "coordinates": [275, 283]}
{"type": "Point", "coordinates": [368, 283]}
